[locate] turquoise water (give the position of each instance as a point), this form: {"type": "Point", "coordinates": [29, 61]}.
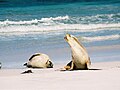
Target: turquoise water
{"type": "Point", "coordinates": [30, 26]}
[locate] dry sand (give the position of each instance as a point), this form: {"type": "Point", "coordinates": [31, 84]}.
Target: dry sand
{"type": "Point", "coordinates": [102, 76]}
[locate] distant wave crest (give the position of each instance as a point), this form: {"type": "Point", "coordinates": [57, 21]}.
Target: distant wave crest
{"type": "Point", "coordinates": [101, 38]}
{"type": "Point", "coordinates": [35, 21]}
{"type": "Point", "coordinates": [95, 19]}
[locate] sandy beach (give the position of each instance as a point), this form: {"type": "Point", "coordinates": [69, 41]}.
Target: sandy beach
{"type": "Point", "coordinates": [28, 27]}
{"type": "Point", "coordinates": [102, 76]}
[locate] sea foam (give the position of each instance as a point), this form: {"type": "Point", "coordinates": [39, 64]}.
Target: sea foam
{"type": "Point", "coordinates": [61, 24]}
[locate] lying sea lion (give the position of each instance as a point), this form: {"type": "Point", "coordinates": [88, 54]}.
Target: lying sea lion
{"type": "Point", "coordinates": [80, 58]}
{"type": "Point", "coordinates": [39, 60]}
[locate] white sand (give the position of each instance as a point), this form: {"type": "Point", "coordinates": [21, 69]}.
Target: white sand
{"type": "Point", "coordinates": [48, 79]}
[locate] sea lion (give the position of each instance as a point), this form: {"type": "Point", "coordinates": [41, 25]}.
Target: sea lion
{"type": "Point", "coordinates": [80, 58]}
{"type": "Point", "coordinates": [39, 60]}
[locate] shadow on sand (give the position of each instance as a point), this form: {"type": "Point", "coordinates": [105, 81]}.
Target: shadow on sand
{"type": "Point", "coordinates": [94, 69]}
{"type": "Point", "coordinates": [82, 70]}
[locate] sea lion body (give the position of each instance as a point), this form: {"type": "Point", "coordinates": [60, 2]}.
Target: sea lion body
{"type": "Point", "coordinates": [80, 58]}
{"type": "Point", "coordinates": [39, 61]}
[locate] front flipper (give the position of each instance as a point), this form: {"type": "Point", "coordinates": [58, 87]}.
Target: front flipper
{"type": "Point", "coordinates": [70, 66]}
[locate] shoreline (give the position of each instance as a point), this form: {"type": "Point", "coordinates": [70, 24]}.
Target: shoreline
{"type": "Point", "coordinates": [60, 55]}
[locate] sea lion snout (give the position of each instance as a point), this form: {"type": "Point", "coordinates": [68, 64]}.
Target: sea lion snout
{"type": "Point", "coordinates": [67, 37]}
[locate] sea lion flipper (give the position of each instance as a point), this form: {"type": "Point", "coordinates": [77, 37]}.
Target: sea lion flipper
{"type": "Point", "coordinates": [25, 64]}
{"type": "Point", "coordinates": [69, 66]}
{"type": "Point", "coordinates": [72, 66]}
{"type": "Point", "coordinates": [88, 63]}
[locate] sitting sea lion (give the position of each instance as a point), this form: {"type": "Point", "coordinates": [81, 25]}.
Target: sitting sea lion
{"type": "Point", "coordinates": [80, 58]}
{"type": "Point", "coordinates": [39, 61]}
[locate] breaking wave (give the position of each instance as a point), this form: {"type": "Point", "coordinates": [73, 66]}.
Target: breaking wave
{"type": "Point", "coordinates": [61, 24]}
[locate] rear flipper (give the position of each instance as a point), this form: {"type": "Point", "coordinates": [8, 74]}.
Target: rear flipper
{"type": "Point", "coordinates": [29, 66]}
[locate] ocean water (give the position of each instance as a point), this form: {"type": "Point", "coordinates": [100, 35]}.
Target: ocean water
{"type": "Point", "coordinates": [31, 26]}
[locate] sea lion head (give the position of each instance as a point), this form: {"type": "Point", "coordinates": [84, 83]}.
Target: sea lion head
{"type": "Point", "coordinates": [68, 37]}
{"type": "Point", "coordinates": [71, 39]}
{"type": "Point", "coordinates": [49, 64]}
